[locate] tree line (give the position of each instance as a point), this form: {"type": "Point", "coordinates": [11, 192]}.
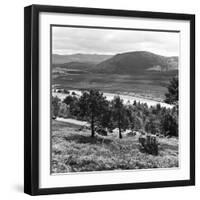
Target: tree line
{"type": "Point", "coordinates": [92, 106]}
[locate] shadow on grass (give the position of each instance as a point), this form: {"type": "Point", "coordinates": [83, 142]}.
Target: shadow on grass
{"type": "Point", "coordinates": [88, 139]}
{"type": "Point", "coordinates": [167, 146]}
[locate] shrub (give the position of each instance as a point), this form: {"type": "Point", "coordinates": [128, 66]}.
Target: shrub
{"type": "Point", "coordinates": [55, 106]}
{"type": "Point", "coordinates": [131, 134]}
{"type": "Point", "coordinates": [59, 91]}
{"type": "Point", "coordinates": [66, 91]}
{"type": "Point", "coordinates": [101, 131]}
{"type": "Point", "coordinates": [63, 111]}
{"type": "Point", "coordinates": [149, 144]}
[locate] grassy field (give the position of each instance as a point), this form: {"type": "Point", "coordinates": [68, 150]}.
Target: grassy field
{"type": "Point", "coordinates": [152, 84]}
{"type": "Point", "coordinates": [73, 150]}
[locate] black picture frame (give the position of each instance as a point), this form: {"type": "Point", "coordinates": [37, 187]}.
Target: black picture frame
{"type": "Point", "coordinates": [31, 98]}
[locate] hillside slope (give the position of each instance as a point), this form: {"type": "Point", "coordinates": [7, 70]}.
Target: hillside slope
{"type": "Point", "coordinates": [91, 58]}
{"type": "Point", "coordinates": [138, 61]}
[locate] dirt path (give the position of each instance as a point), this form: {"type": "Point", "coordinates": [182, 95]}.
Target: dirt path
{"type": "Point", "coordinates": [73, 121]}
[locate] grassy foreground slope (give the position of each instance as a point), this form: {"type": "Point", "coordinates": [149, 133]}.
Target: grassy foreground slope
{"type": "Point", "coordinates": [73, 150]}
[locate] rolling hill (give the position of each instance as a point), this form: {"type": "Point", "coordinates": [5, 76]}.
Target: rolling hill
{"type": "Point", "coordinates": [137, 62]}
{"type": "Point", "coordinates": [91, 58]}
{"type": "Point", "coordinates": [85, 66]}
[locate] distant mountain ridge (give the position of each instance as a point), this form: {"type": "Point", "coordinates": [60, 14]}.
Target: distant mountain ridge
{"type": "Point", "coordinates": [90, 58]}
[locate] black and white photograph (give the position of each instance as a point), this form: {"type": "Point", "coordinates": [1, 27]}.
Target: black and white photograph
{"type": "Point", "coordinates": [114, 99]}
{"type": "Point", "coordinates": [109, 99]}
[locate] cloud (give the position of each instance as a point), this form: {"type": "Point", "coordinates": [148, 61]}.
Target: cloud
{"type": "Point", "coordinates": [68, 40]}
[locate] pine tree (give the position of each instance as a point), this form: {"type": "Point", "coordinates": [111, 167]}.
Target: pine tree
{"type": "Point", "coordinates": [91, 106]}
{"type": "Point", "coordinates": [172, 95]}
{"type": "Point", "coordinates": [119, 114]}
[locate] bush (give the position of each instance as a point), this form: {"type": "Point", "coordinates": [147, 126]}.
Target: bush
{"type": "Point", "coordinates": [149, 144]}
{"type": "Point", "coordinates": [66, 91]}
{"type": "Point", "coordinates": [63, 111]}
{"type": "Point", "coordinates": [55, 106]}
{"type": "Point", "coordinates": [101, 131]}
{"type": "Point", "coordinates": [59, 91]}
{"type": "Point", "coordinates": [131, 134]}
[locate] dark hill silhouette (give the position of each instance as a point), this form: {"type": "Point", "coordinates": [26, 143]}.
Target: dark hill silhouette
{"type": "Point", "coordinates": [135, 62]}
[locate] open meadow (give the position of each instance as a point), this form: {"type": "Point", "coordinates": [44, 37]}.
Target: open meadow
{"type": "Point", "coordinates": [74, 150]}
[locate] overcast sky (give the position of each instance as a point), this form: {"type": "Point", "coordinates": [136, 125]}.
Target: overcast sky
{"type": "Point", "coordinates": [67, 40]}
